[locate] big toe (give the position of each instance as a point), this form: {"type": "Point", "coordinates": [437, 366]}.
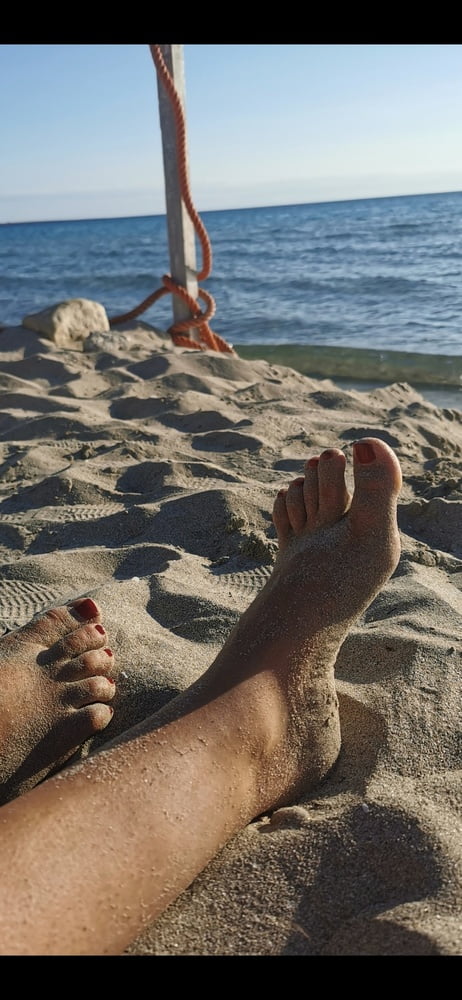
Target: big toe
{"type": "Point", "coordinates": [56, 623]}
{"type": "Point", "coordinates": [377, 476]}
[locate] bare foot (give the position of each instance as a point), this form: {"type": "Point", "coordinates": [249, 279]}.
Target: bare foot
{"type": "Point", "coordinates": [336, 553]}
{"type": "Point", "coordinates": [55, 686]}
{"type": "Point", "coordinates": [257, 729]}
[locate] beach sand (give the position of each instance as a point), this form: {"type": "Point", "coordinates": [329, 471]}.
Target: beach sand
{"type": "Point", "coordinates": [144, 476]}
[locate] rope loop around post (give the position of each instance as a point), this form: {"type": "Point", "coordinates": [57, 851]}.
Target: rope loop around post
{"type": "Point", "coordinates": [206, 338]}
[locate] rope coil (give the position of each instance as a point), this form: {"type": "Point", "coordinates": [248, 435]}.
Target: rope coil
{"type": "Point", "coordinates": [206, 338]}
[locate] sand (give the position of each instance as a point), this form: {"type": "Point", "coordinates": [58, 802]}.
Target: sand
{"type": "Point", "coordinates": [144, 475]}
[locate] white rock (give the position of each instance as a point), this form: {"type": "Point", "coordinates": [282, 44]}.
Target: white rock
{"type": "Point", "coordinates": [69, 323]}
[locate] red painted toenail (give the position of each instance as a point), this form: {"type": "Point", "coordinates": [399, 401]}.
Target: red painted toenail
{"type": "Point", "coordinates": [109, 652]}
{"type": "Point", "coordinates": [111, 680]}
{"type": "Point", "coordinates": [364, 452]}
{"type": "Point", "coordinates": [86, 609]}
{"type": "Point", "coordinates": [101, 629]}
{"type": "Point", "coordinates": [312, 462]}
{"type": "Point", "coordinates": [328, 453]}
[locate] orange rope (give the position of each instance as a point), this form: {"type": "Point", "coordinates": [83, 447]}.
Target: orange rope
{"type": "Point", "coordinates": [207, 340]}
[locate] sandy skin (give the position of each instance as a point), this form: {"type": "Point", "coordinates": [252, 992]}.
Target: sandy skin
{"type": "Point", "coordinates": [335, 554]}
{"type": "Point", "coordinates": [56, 684]}
{"type": "Point", "coordinates": [144, 816]}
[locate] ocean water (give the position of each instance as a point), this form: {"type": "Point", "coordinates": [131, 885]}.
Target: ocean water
{"type": "Point", "coordinates": [366, 291]}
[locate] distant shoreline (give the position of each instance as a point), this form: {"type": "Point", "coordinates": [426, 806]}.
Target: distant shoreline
{"type": "Point", "coordinates": [242, 208]}
{"type": "Point", "coordinates": [360, 363]}
{"type": "Point", "coordinates": [437, 377]}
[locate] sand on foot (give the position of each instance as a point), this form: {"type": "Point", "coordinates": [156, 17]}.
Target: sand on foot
{"type": "Point", "coordinates": [144, 476]}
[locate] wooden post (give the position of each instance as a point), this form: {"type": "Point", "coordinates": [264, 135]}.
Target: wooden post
{"type": "Point", "coordinates": [181, 236]}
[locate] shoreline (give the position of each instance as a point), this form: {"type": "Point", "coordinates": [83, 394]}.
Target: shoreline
{"type": "Point", "coordinates": [438, 378]}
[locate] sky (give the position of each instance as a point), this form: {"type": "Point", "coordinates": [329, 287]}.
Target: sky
{"type": "Point", "coordinates": [267, 124]}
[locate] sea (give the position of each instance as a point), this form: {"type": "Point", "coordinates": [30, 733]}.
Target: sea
{"type": "Point", "coordinates": [365, 292]}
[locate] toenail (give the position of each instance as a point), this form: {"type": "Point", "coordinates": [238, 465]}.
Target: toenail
{"type": "Point", "coordinates": [111, 680]}
{"type": "Point", "coordinates": [109, 652]}
{"type": "Point", "coordinates": [312, 462]}
{"type": "Point", "coordinates": [364, 452]}
{"type": "Point", "coordinates": [101, 629]}
{"type": "Point", "coordinates": [329, 453]}
{"type": "Point", "coordinates": [86, 609]}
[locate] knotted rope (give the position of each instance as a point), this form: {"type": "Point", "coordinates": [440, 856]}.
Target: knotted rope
{"type": "Point", "coordinates": [206, 339]}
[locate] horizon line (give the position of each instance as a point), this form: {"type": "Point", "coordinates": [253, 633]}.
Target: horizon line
{"type": "Point", "coordinates": [242, 208]}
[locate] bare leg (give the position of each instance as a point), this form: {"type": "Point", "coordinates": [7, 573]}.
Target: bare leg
{"type": "Point", "coordinates": [55, 687]}
{"type": "Point", "coordinates": [92, 854]}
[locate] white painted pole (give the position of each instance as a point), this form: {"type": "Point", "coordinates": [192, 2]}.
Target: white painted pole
{"type": "Point", "coordinates": [181, 235]}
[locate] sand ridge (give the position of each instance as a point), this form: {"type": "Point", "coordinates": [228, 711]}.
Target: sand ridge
{"type": "Point", "coordinates": [144, 475]}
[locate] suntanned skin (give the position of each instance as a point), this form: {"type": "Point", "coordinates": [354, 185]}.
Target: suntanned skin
{"type": "Point", "coordinates": [56, 682]}
{"type": "Point", "coordinates": [94, 853]}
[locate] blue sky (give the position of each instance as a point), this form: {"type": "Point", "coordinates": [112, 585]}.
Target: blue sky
{"type": "Point", "coordinates": [266, 125]}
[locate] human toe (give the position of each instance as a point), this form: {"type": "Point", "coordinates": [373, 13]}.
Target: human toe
{"type": "Point", "coordinates": [96, 661]}
{"type": "Point", "coordinates": [295, 504]}
{"type": "Point", "coordinates": [47, 629]}
{"type": "Point", "coordinates": [73, 644]}
{"type": "Point", "coordinates": [90, 691]}
{"type": "Point", "coordinates": [85, 609]}
{"type": "Point", "coordinates": [378, 480]}
{"type": "Point", "coordinates": [333, 496]}
{"type": "Point", "coordinates": [280, 517]}
{"type": "Point", "coordinates": [88, 720]}
{"type": "Point", "coordinates": [311, 490]}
